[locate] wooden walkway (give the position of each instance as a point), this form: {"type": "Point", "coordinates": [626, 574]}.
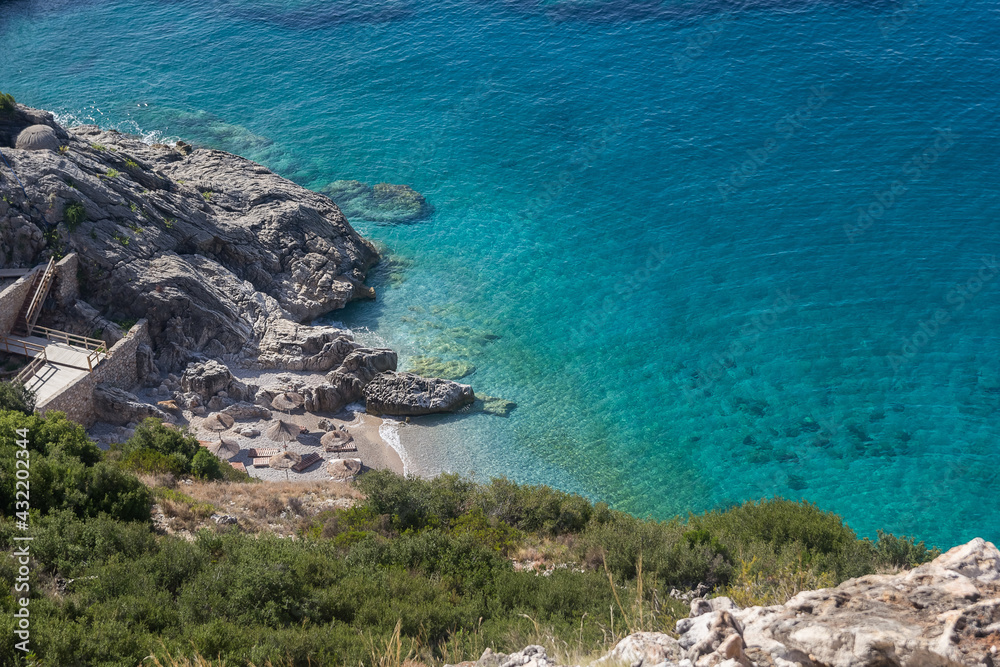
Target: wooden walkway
{"type": "Point", "coordinates": [60, 354]}
{"type": "Point", "coordinates": [65, 364]}
{"type": "Point", "coordinates": [51, 379]}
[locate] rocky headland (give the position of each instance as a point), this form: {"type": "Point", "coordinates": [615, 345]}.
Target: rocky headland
{"type": "Point", "coordinates": [227, 262]}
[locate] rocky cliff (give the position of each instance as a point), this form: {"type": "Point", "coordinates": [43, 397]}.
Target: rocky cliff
{"type": "Point", "coordinates": [223, 257]}
{"type": "Point", "coordinates": [945, 613]}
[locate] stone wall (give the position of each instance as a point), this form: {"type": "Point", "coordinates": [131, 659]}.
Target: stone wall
{"type": "Point", "coordinates": [11, 300]}
{"type": "Point", "coordinates": [121, 369]}
{"type": "Point", "coordinates": [76, 400]}
{"type": "Point", "coordinates": [66, 289]}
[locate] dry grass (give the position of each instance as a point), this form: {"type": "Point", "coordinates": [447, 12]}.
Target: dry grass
{"type": "Point", "coordinates": [278, 507]}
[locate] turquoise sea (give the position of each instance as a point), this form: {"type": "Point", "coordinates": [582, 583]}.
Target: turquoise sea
{"type": "Point", "coordinates": [714, 250]}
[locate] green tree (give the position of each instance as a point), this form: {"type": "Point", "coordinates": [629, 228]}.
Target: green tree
{"type": "Point", "coordinates": [205, 465]}
{"type": "Point", "coordinates": [16, 396]}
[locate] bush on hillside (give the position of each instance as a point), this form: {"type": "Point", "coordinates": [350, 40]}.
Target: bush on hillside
{"type": "Point", "coordinates": [15, 396]}
{"type": "Point", "coordinates": [66, 471]}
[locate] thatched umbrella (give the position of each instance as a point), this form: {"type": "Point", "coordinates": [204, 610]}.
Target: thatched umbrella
{"type": "Point", "coordinates": [218, 422]}
{"type": "Point", "coordinates": [288, 401]}
{"type": "Point", "coordinates": [344, 469]}
{"type": "Point", "coordinates": [284, 460]}
{"type": "Point", "coordinates": [282, 431]}
{"type": "Point", "coordinates": [334, 441]}
{"type": "Point", "coordinates": [225, 449]}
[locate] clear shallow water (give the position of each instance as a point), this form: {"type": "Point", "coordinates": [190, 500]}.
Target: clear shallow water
{"type": "Point", "coordinates": [647, 203]}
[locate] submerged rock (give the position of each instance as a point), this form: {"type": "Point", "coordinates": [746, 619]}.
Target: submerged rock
{"type": "Point", "coordinates": [438, 367]}
{"type": "Point", "coordinates": [405, 394]}
{"type": "Point", "coordinates": [385, 202]}
{"type": "Point", "coordinates": [494, 405]}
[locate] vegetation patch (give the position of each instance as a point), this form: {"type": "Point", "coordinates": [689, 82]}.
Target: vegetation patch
{"type": "Point", "coordinates": [7, 104]}
{"type": "Point", "coordinates": [74, 215]}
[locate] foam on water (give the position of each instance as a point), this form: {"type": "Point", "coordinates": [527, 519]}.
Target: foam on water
{"type": "Point", "coordinates": [624, 194]}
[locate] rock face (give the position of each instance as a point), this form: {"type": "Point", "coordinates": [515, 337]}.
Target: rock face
{"type": "Point", "coordinates": [945, 613]}
{"type": "Point", "coordinates": [384, 203]}
{"type": "Point", "coordinates": [117, 406]}
{"type": "Point", "coordinates": [223, 257]}
{"type": "Point", "coordinates": [401, 394]}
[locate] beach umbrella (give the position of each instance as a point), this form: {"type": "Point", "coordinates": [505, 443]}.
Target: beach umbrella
{"type": "Point", "coordinates": [225, 448]}
{"type": "Point", "coordinates": [282, 431]}
{"type": "Point", "coordinates": [284, 461]}
{"type": "Point", "coordinates": [335, 440]}
{"type": "Point", "coordinates": [218, 422]}
{"type": "Point", "coordinates": [288, 401]}
{"type": "Point", "coordinates": [344, 470]}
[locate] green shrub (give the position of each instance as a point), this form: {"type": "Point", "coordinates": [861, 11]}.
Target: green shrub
{"type": "Point", "coordinates": [153, 434]}
{"type": "Point", "coordinates": [74, 215]}
{"type": "Point", "coordinates": [7, 104]}
{"type": "Point", "coordinates": [205, 465]}
{"type": "Point", "coordinates": [67, 471]}
{"type": "Point", "coordinates": [150, 462]}
{"type": "Point", "coordinates": [15, 396]}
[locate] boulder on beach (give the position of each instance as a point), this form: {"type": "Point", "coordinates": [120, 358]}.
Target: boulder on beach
{"type": "Point", "coordinates": [405, 394]}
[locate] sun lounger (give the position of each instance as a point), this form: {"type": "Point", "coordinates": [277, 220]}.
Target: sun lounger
{"type": "Point", "coordinates": [307, 460]}
{"type": "Point", "coordinates": [261, 462]}
{"type": "Point", "coordinates": [239, 466]}
{"type": "Point", "coordinates": [263, 452]}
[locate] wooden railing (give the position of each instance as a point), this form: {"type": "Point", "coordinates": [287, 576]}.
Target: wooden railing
{"type": "Point", "coordinates": [14, 346]}
{"type": "Point", "coordinates": [35, 308]}
{"type": "Point", "coordinates": [97, 348]}
{"type": "Point", "coordinates": [32, 368]}
{"type": "Point", "coordinates": [72, 339]}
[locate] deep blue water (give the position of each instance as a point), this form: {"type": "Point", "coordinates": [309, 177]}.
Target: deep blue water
{"type": "Point", "coordinates": [730, 250]}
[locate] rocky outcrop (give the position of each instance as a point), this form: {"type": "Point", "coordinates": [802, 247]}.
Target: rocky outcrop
{"type": "Point", "coordinates": [945, 613]}
{"type": "Point", "coordinates": [210, 378]}
{"type": "Point", "coordinates": [223, 257]}
{"type": "Point", "coordinates": [384, 203]}
{"type": "Point", "coordinates": [117, 406]}
{"type": "Point", "coordinates": [402, 394]}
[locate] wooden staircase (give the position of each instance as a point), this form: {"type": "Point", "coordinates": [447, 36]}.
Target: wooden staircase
{"type": "Point", "coordinates": [32, 308]}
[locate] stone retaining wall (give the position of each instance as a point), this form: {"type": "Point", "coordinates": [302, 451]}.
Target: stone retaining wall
{"type": "Point", "coordinates": [120, 369]}
{"type": "Point", "coordinates": [76, 400]}
{"type": "Point", "coordinates": [66, 289]}
{"type": "Point", "coordinates": [11, 300]}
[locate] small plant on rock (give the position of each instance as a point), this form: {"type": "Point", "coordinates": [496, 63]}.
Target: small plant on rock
{"type": "Point", "coordinates": [75, 214]}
